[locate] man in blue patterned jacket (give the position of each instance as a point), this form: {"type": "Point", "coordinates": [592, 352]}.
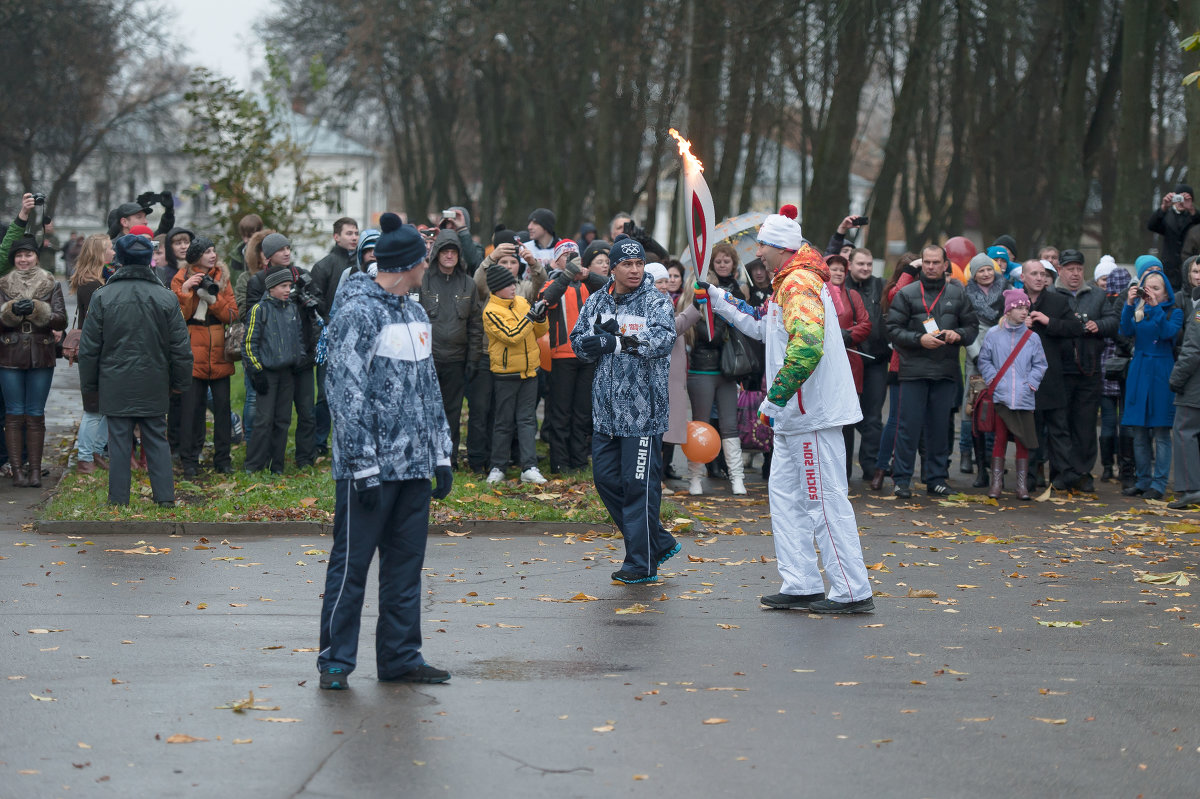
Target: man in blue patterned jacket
{"type": "Point", "coordinates": [389, 436]}
{"type": "Point", "coordinates": [628, 328]}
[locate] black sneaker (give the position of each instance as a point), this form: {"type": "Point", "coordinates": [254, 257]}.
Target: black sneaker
{"type": "Point", "coordinates": [1152, 493]}
{"type": "Point", "coordinates": [663, 557]}
{"type": "Point", "coordinates": [1086, 484]}
{"type": "Point", "coordinates": [423, 673]}
{"type": "Point", "coordinates": [1132, 491]}
{"type": "Point", "coordinates": [904, 492]}
{"type": "Point", "coordinates": [937, 490]}
{"type": "Point", "coordinates": [831, 606]}
{"type": "Point", "coordinates": [789, 601]}
{"type": "Point", "coordinates": [633, 578]}
{"type": "Point", "coordinates": [334, 678]}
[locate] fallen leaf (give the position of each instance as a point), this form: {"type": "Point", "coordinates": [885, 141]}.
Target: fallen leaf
{"type": "Point", "coordinates": [1178, 578]}
{"type": "Point", "coordinates": [713, 721]}
{"type": "Point", "coordinates": [82, 745]}
{"type": "Point", "coordinates": [984, 718]}
{"type": "Point", "coordinates": [144, 550]}
{"type": "Point", "coordinates": [243, 740]}
{"type": "Point", "coordinates": [509, 626]}
{"type": "Point", "coordinates": [843, 684]}
{"type": "Point", "coordinates": [582, 597]}
{"type": "Point", "coordinates": [43, 631]}
{"type": "Point", "coordinates": [1062, 623]}
{"type": "Point", "coordinates": [276, 718]}
{"type": "Point", "coordinates": [308, 502]}
{"type": "Point", "coordinates": [605, 728]}
{"type": "Point", "coordinates": [921, 593]}
{"type": "Point", "coordinates": [1049, 721]}
{"type": "Point", "coordinates": [728, 626]}
{"type": "Point", "coordinates": [44, 698]}
{"type": "Point", "coordinates": [868, 626]}
{"type": "Point", "coordinates": [636, 607]}
{"type": "Point", "coordinates": [180, 738]}
{"type": "Point", "coordinates": [638, 777]}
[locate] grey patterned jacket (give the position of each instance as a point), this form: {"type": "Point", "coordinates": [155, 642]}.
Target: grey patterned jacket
{"type": "Point", "coordinates": [629, 391]}
{"type": "Point", "coordinates": [382, 388]}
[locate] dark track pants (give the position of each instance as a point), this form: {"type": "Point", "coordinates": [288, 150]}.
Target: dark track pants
{"type": "Point", "coordinates": [628, 475]}
{"type": "Point", "coordinates": [397, 527]}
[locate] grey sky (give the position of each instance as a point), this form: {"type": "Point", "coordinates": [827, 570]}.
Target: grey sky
{"type": "Point", "coordinates": [220, 33]}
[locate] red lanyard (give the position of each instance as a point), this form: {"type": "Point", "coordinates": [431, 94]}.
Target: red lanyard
{"type": "Point", "coordinates": [929, 308]}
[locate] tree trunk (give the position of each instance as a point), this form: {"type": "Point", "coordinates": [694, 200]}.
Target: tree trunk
{"type": "Point", "coordinates": [1129, 239]}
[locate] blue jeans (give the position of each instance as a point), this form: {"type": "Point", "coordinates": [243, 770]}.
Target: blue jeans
{"type": "Point", "coordinates": [248, 407]}
{"type": "Point", "coordinates": [1110, 418]}
{"type": "Point", "coordinates": [92, 437]}
{"type": "Point", "coordinates": [887, 441]}
{"type": "Point", "coordinates": [25, 390]}
{"type": "Point", "coordinates": [1146, 458]}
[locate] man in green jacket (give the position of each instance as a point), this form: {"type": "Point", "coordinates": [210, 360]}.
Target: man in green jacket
{"type": "Point", "coordinates": [135, 352]}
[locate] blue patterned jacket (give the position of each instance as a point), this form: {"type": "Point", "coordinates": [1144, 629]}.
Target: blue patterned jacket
{"type": "Point", "coordinates": [382, 388]}
{"type": "Point", "coordinates": [629, 391]}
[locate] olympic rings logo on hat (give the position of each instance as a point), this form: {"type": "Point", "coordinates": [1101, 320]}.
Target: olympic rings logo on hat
{"type": "Point", "coordinates": [630, 248]}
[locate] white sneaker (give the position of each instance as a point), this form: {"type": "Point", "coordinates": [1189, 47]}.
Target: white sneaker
{"type": "Point", "coordinates": [495, 476]}
{"type": "Point", "coordinates": [737, 485]}
{"type": "Point", "coordinates": [532, 475]}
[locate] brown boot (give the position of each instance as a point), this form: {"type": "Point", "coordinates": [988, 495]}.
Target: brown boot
{"type": "Point", "coordinates": [14, 439]}
{"type": "Point", "coordinates": [877, 480]}
{"type": "Point", "coordinates": [35, 438]}
{"type": "Point", "coordinates": [1023, 479]}
{"type": "Point", "coordinates": [997, 478]}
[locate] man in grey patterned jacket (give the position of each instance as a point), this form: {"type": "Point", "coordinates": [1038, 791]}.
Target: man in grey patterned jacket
{"type": "Point", "coordinates": [628, 329]}
{"type": "Point", "coordinates": [389, 436]}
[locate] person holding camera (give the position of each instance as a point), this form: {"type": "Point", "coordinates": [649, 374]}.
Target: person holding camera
{"type": "Point", "coordinates": [542, 239]}
{"type": "Point", "coordinates": [837, 242]}
{"type": "Point", "coordinates": [623, 224]}
{"type": "Point", "coordinates": [126, 216]}
{"type": "Point", "coordinates": [1176, 213]}
{"type": "Point", "coordinates": [206, 299]}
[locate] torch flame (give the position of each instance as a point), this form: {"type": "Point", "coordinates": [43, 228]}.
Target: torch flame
{"type": "Point", "coordinates": [685, 150]}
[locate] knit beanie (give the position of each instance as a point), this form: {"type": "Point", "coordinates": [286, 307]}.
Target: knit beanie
{"type": "Point", "coordinates": [134, 250]}
{"type": "Point", "coordinates": [197, 248]}
{"type": "Point", "coordinates": [595, 248]}
{"type": "Point", "coordinates": [565, 246]}
{"type": "Point", "coordinates": [544, 217]}
{"type": "Point", "coordinates": [982, 261]}
{"type": "Point", "coordinates": [24, 243]}
{"type": "Point", "coordinates": [999, 253]}
{"type": "Point", "coordinates": [499, 277]}
{"type": "Point", "coordinates": [399, 247]}
{"type": "Point", "coordinates": [1105, 267]}
{"type": "Point", "coordinates": [782, 230]}
{"type": "Point", "coordinates": [626, 249]}
{"type": "Point", "coordinates": [277, 275]}
{"type": "Point", "coordinates": [1145, 262]}
{"type": "Point", "coordinates": [505, 236]}
{"type": "Point", "coordinates": [1007, 242]}
{"type": "Point", "coordinates": [272, 244]}
{"type": "Point", "coordinates": [1014, 298]}
{"type": "Point", "coordinates": [657, 272]}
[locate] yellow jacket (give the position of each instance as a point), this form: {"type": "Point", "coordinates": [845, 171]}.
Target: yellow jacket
{"type": "Point", "coordinates": [512, 339]}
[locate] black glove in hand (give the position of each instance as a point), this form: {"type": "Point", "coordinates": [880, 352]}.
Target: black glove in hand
{"type": "Point", "coordinates": [22, 307]}
{"type": "Point", "coordinates": [595, 346]}
{"type": "Point", "coordinates": [537, 312]}
{"type": "Point", "coordinates": [367, 490]}
{"type": "Point", "coordinates": [261, 386]}
{"type": "Point", "coordinates": [630, 345]}
{"type": "Point", "coordinates": [146, 199]}
{"type": "Point", "coordinates": [167, 199]}
{"type": "Point", "coordinates": [609, 326]}
{"type": "Point", "coordinates": [471, 370]}
{"type": "Point", "coordinates": [443, 480]}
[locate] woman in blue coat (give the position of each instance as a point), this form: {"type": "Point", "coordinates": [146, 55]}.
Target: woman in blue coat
{"type": "Point", "coordinates": [1152, 320]}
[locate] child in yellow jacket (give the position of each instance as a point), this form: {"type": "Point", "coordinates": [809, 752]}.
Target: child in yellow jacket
{"type": "Point", "coordinates": [513, 329]}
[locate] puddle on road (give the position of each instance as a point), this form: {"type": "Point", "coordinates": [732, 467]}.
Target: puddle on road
{"type": "Point", "coordinates": [511, 670]}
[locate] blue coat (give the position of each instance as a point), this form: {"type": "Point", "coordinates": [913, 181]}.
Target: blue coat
{"type": "Point", "coordinates": [1018, 387]}
{"type": "Point", "coordinates": [1149, 401]}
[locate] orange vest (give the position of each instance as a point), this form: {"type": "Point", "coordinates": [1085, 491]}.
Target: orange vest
{"type": "Point", "coordinates": [563, 316]}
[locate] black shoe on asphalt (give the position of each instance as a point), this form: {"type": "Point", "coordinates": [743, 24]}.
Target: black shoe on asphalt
{"type": "Point", "coordinates": [334, 678]}
{"type": "Point", "coordinates": [904, 492]}
{"type": "Point", "coordinates": [1086, 484]}
{"type": "Point", "coordinates": [789, 601]}
{"type": "Point", "coordinates": [1064, 481]}
{"type": "Point", "coordinates": [423, 673]}
{"type": "Point", "coordinates": [1107, 474]}
{"type": "Point", "coordinates": [1188, 500]}
{"type": "Point", "coordinates": [937, 490]}
{"type": "Point", "coordinates": [1132, 491]}
{"type": "Point", "coordinates": [633, 578]}
{"type": "Point", "coordinates": [1152, 493]}
{"type": "Point", "coordinates": [831, 606]}
{"type": "Point", "coordinates": [663, 557]}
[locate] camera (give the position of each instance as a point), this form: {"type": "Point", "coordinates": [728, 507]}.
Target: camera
{"type": "Point", "coordinates": [859, 221]}
{"type": "Point", "coordinates": [448, 213]}
{"type": "Point", "coordinates": [39, 198]}
{"type": "Point", "coordinates": [1141, 292]}
{"type": "Point", "coordinates": [1177, 198]}
{"type": "Point", "coordinates": [208, 286]}
{"type": "Point", "coordinates": [302, 294]}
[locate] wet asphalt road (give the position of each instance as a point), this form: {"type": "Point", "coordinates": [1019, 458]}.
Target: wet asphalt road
{"type": "Point", "coordinates": [963, 694]}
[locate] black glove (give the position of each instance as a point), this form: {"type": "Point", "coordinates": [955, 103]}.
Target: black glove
{"type": "Point", "coordinates": [1177, 389]}
{"type": "Point", "coordinates": [22, 307]}
{"type": "Point", "coordinates": [609, 326]}
{"type": "Point", "coordinates": [595, 346]}
{"type": "Point", "coordinates": [261, 386]}
{"type": "Point", "coordinates": [537, 312]}
{"type": "Point", "coordinates": [471, 370]}
{"type": "Point", "coordinates": [147, 199]}
{"type": "Point", "coordinates": [367, 489]}
{"type": "Point", "coordinates": [443, 480]}
{"type": "Point", "coordinates": [167, 199]}
{"type": "Point", "coordinates": [702, 286]}
{"type": "Point", "coordinates": [630, 345]}
{"type": "Point", "coordinates": [846, 339]}
{"type": "Point", "coordinates": [913, 268]}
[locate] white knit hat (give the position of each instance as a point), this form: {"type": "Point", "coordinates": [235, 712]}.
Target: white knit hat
{"type": "Point", "coordinates": [782, 230]}
{"type": "Point", "coordinates": [1105, 267]}
{"type": "Point", "coordinates": [656, 271]}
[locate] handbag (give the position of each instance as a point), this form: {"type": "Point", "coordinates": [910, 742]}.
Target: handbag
{"type": "Point", "coordinates": [1116, 367]}
{"type": "Point", "coordinates": [754, 435]}
{"type": "Point", "coordinates": [983, 412]}
{"type": "Point", "coordinates": [738, 357]}
{"type": "Point", "coordinates": [69, 345]}
{"type": "Point", "coordinates": [234, 334]}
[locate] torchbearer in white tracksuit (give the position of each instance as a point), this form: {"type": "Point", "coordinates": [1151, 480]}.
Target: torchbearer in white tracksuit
{"type": "Point", "coordinates": [811, 396]}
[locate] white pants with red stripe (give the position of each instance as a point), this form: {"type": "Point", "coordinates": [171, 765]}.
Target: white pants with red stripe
{"type": "Point", "coordinates": [809, 503]}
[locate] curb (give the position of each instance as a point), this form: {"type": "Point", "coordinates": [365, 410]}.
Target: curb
{"type": "Point", "coordinates": [227, 529]}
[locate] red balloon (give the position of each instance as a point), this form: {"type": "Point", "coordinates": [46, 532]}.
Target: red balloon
{"type": "Point", "coordinates": [960, 251]}
{"type": "Point", "coordinates": [703, 442]}
{"type": "Point", "coordinates": [544, 348]}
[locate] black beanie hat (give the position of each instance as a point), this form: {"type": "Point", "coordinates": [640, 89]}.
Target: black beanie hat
{"type": "Point", "coordinates": [544, 217]}
{"type": "Point", "coordinates": [1008, 242]}
{"type": "Point", "coordinates": [197, 248]}
{"type": "Point", "coordinates": [505, 236]}
{"type": "Point", "coordinates": [595, 248]}
{"type": "Point", "coordinates": [24, 243]}
{"type": "Point", "coordinates": [499, 277]}
{"type": "Point", "coordinates": [399, 247]}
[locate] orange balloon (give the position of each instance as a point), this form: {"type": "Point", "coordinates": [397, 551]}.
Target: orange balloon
{"type": "Point", "coordinates": [544, 347]}
{"type": "Point", "coordinates": [703, 442]}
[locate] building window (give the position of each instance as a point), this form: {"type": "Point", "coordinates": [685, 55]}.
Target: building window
{"type": "Point", "coordinates": [103, 193]}
{"type": "Point", "coordinates": [68, 199]}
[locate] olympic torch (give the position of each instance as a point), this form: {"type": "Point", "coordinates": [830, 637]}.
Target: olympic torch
{"type": "Point", "coordinates": [699, 215]}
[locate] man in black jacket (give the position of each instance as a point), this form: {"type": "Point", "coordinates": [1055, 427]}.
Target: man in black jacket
{"type": "Point", "coordinates": [325, 276]}
{"type": "Point", "coordinates": [928, 322]}
{"type": "Point", "coordinates": [135, 351]}
{"type": "Point", "coordinates": [1176, 213]}
{"type": "Point", "coordinates": [1051, 318]}
{"type": "Point", "coordinates": [860, 277]}
{"type": "Point", "coordinates": [1081, 366]}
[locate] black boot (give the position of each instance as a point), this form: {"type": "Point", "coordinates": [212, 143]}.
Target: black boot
{"type": "Point", "coordinates": [1108, 452]}
{"type": "Point", "coordinates": [1128, 469]}
{"type": "Point", "coordinates": [964, 462]}
{"type": "Point", "coordinates": [981, 476]}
